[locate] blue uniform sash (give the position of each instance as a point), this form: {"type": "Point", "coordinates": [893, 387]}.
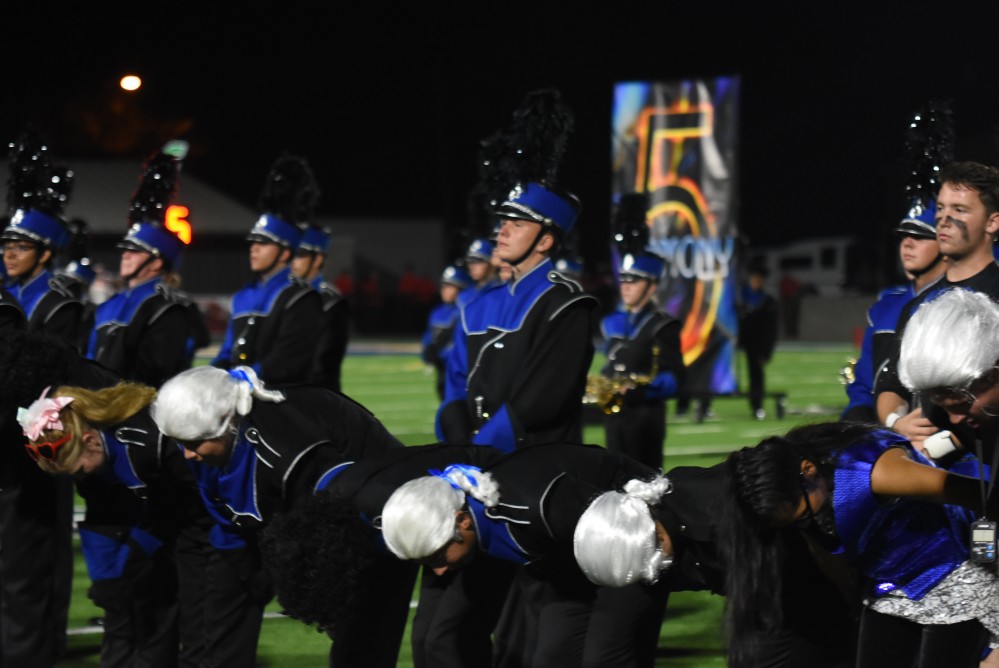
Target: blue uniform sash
{"type": "Point", "coordinates": [120, 462]}
{"type": "Point", "coordinates": [236, 483]}
{"type": "Point", "coordinates": [494, 535]}
{"type": "Point", "coordinates": [29, 294]}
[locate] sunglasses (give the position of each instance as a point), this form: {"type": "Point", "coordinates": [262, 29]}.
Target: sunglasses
{"type": "Point", "coordinates": [46, 450]}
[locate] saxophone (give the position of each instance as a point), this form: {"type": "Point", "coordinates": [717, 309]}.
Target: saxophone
{"type": "Point", "coordinates": [846, 374]}
{"type": "Point", "coordinates": [607, 393]}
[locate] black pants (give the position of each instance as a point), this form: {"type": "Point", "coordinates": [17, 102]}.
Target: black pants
{"type": "Point", "coordinates": [234, 609]}
{"type": "Point", "coordinates": [140, 615]}
{"type": "Point", "coordinates": [238, 589]}
{"type": "Point", "coordinates": [155, 609]}
{"type": "Point", "coordinates": [457, 613]}
{"type": "Point", "coordinates": [156, 613]}
{"type": "Point", "coordinates": [639, 432]}
{"type": "Point", "coordinates": [757, 380]}
{"type": "Point", "coordinates": [36, 565]}
{"type": "Point", "coordinates": [555, 618]}
{"type": "Point", "coordinates": [623, 629]}
{"type": "Point", "coordinates": [191, 554]}
{"type": "Point", "coordinates": [373, 635]}
{"type": "Point", "coordinates": [894, 642]}
{"type": "Point", "coordinates": [788, 649]}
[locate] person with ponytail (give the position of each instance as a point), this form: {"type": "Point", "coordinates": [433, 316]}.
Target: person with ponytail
{"type": "Point", "coordinates": [258, 452]}
{"type": "Point", "coordinates": [330, 565]}
{"type": "Point", "coordinates": [144, 332]}
{"type": "Point", "coordinates": [600, 599]}
{"type": "Point", "coordinates": [607, 538]}
{"type": "Point", "coordinates": [865, 497]}
{"type": "Point", "coordinates": [618, 541]}
{"type": "Point", "coordinates": [36, 508]}
{"type": "Point", "coordinates": [145, 534]}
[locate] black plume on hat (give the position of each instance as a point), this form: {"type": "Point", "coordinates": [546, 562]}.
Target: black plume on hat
{"type": "Point", "coordinates": [530, 150]}
{"type": "Point", "coordinates": [79, 245]}
{"type": "Point", "coordinates": [537, 139]}
{"type": "Point", "coordinates": [27, 162]}
{"type": "Point", "coordinates": [57, 189]}
{"type": "Point", "coordinates": [290, 191]}
{"type": "Point", "coordinates": [629, 229]}
{"type": "Point", "coordinates": [34, 183]}
{"type": "Point", "coordinates": [929, 145]}
{"type": "Point", "coordinates": [156, 189]}
{"type": "Point", "coordinates": [493, 186]}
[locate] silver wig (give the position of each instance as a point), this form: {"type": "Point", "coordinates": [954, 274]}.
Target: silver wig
{"type": "Point", "coordinates": [200, 403]}
{"type": "Point", "coordinates": [615, 541]}
{"type": "Point", "coordinates": [419, 518]}
{"type": "Point", "coordinates": [950, 341]}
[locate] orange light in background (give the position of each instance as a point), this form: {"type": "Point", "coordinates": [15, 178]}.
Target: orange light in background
{"type": "Point", "coordinates": [130, 82]}
{"type": "Point", "coordinates": [176, 222]}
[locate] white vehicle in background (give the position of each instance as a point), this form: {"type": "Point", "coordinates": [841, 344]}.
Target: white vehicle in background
{"type": "Point", "coordinates": [830, 266]}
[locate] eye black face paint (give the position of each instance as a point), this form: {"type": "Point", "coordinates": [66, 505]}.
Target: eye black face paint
{"type": "Point", "coordinates": [960, 225]}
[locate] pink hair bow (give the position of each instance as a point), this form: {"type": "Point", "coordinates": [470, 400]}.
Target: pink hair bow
{"type": "Point", "coordinates": [42, 414]}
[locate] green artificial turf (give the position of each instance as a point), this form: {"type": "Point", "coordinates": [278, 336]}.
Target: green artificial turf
{"type": "Point", "coordinates": [399, 389]}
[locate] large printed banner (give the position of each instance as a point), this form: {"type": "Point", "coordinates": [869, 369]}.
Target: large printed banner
{"type": "Point", "coordinates": [677, 143]}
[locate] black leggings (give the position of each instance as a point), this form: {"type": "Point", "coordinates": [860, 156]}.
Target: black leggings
{"type": "Point", "coordinates": [890, 642]}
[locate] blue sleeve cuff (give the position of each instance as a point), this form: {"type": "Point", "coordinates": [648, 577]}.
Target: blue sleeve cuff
{"type": "Point", "coordinates": [106, 556]}
{"type": "Point", "coordinates": [225, 540]}
{"type": "Point", "coordinates": [498, 432]}
{"type": "Point", "coordinates": [438, 431]}
{"type": "Point", "coordinates": [147, 541]}
{"type": "Point", "coordinates": [664, 385]}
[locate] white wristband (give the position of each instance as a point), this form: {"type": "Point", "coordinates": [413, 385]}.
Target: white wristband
{"type": "Point", "coordinates": [939, 444]}
{"type": "Point", "coordinates": [891, 420]}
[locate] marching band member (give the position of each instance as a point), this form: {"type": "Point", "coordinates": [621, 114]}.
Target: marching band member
{"type": "Point", "coordinates": [275, 321]}
{"type": "Point", "coordinates": [257, 452]}
{"type": "Point", "coordinates": [146, 333]}
{"type": "Point", "coordinates": [641, 340]}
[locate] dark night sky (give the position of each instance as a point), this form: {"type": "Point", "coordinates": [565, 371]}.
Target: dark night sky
{"type": "Point", "coordinates": [389, 107]}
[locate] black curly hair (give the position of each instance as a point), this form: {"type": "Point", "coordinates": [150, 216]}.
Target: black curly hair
{"type": "Point", "coordinates": [317, 555]}
{"type": "Point", "coordinates": [761, 480]}
{"type": "Point", "coordinates": [29, 362]}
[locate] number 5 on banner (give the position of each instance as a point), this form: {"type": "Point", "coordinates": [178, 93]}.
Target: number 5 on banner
{"type": "Point", "coordinates": [176, 222]}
